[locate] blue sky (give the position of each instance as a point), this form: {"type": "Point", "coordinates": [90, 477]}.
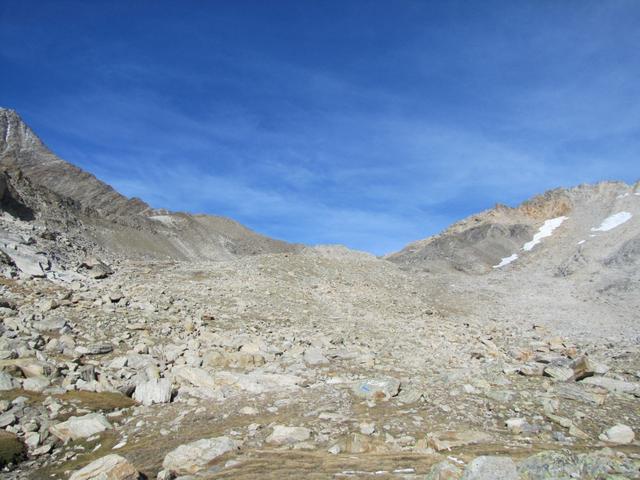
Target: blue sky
{"type": "Point", "coordinates": [365, 123]}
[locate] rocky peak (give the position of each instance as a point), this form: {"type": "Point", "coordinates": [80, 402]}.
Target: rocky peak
{"type": "Point", "coordinates": [15, 134]}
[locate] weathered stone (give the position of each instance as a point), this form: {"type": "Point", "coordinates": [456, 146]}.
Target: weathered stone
{"type": "Point", "coordinates": [95, 268]}
{"type": "Point", "coordinates": [532, 369]}
{"type": "Point", "coordinates": [32, 440]}
{"type": "Point", "coordinates": [440, 441]}
{"type": "Point", "coordinates": [282, 435]}
{"type": "Point", "coordinates": [515, 425]}
{"type": "Point", "coordinates": [193, 457]}
{"type": "Point", "coordinates": [314, 357]}
{"type": "Point", "coordinates": [153, 391]}
{"type": "Point", "coordinates": [36, 384]}
{"type": "Point", "coordinates": [491, 468]}
{"type": "Point", "coordinates": [7, 419]}
{"type": "Point", "coordinates": [562, 374]}
{"type": "Point", "coordinates": [582, 368]}
{"type": "Point", "coordinates": [377, 388]}
{"type": "Point", "coordinates": [80, 427]}
{"type": "Point", "coordinates": [110, 467]}
{"type": "Point", "coordinates": [95, 349]}
{"type": "Point", "coordinates": [579, 393]}
{"type": "Point", "coordinates": [50, 325]}
{"type": "Point", "coordinates": [501, 396]}
{"type": "Point", "coordinates": [619, 434]}
{"type": "Point", "coordinates": [444, 470]}
{"type": "Point", "coordinates": [195, 376]}
{"type": "Point", "coordinates": [549, 465]}
{"type": "Point", "coordinates": [614, 385]}
{"type": "Point", "coordinates": [7, 382]}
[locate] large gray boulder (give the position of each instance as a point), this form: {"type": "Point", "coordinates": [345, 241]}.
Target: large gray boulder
{"type": "Point", "coordinates": [196, 456]}
{"type": "Point", "coordinates": [80, 427]}
{"type": "Point", "coordinates": [153, 391]}
{"type": "Point", "coordinates": [491, 468]}
{"type": "Point", "coordinates": [110, 467]}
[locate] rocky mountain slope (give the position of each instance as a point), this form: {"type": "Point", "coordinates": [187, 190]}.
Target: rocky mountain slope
{"type": "Point", "coordinates": [126, 227]}
{"type": "Point", "coordinates": [506, 347]}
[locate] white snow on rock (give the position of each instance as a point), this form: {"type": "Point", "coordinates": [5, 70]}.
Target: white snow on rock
{"type": "Point", "coordinates": [612, 222]}
{"type": "Point", "coordinates": [581, 242]}
{"type": "Point", "coordinates": [506, 261]}
{"type": "Point", "coordinates": [546, 230]}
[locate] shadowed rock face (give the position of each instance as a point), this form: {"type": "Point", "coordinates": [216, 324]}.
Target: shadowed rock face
{"type": "Point", "coordinates": [124, 226]}
{"type": "Point", "coordinates": [11, 202]}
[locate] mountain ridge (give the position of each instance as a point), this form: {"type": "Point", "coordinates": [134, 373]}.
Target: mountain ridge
{"type": "Point", "coordinates": [128, 226]}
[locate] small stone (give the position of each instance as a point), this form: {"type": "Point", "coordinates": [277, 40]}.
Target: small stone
{"type": "Point", "coordinates": [282, 435]}
{"type": "Point", "coordinates": [98, 349]}
{"type": "Point", "coordinates": [620, 434]}
{"type": "Point", "coordinates": [7, 382]}
{"type": "Point", "coordinates": [314, 356]}
{"type": "Point", "coordinates": [440, 441]}
{"type": "Point", "coordinates": [515, 425]}
{"type": "Point", "coordinates": [7, 419]}
{"type": "Point", "coordinates": [377, 388]}
{"type": "Point", "coordinates": [367, 428]}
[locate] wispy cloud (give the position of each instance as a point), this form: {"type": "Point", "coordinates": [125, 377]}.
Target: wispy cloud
{"type": "Point", "coordinates": [375, 143]}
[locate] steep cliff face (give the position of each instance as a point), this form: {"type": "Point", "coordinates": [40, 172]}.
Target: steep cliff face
{"type": "Point", "coordinates": [122, 225]}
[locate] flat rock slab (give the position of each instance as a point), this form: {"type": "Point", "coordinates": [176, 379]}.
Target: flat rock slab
{"type": "Point", "coordinates": [80, 427]}
{"type": "Point", "coordinates": [440, 441]}
{"type": "Point", "coordinates": [110, 467]}
{"type": "Point", "coordinates": [283, 435]}
{"type": "Point", "coordinates": [614, 385]}
{"type": "Point", "coordinates": [491, 468]}
{"type": "Point", "coordinates": [196, 456]}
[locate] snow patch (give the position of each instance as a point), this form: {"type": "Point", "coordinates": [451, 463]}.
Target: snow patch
{"type": "Point", "coordinates": [7, 132]}
{"type": "Point", "coordinates": [637, 194]}
{"type": "Point", "coordinates": [581, 242]}
{"type": "Point", "coordinates": [613, 221]}
{"type": "Point", "coordinates": [506, 261]}
{"type": "Point", "coordinates": [546, 230]}
{"type": "Point", "coordinates": [623, 195]}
